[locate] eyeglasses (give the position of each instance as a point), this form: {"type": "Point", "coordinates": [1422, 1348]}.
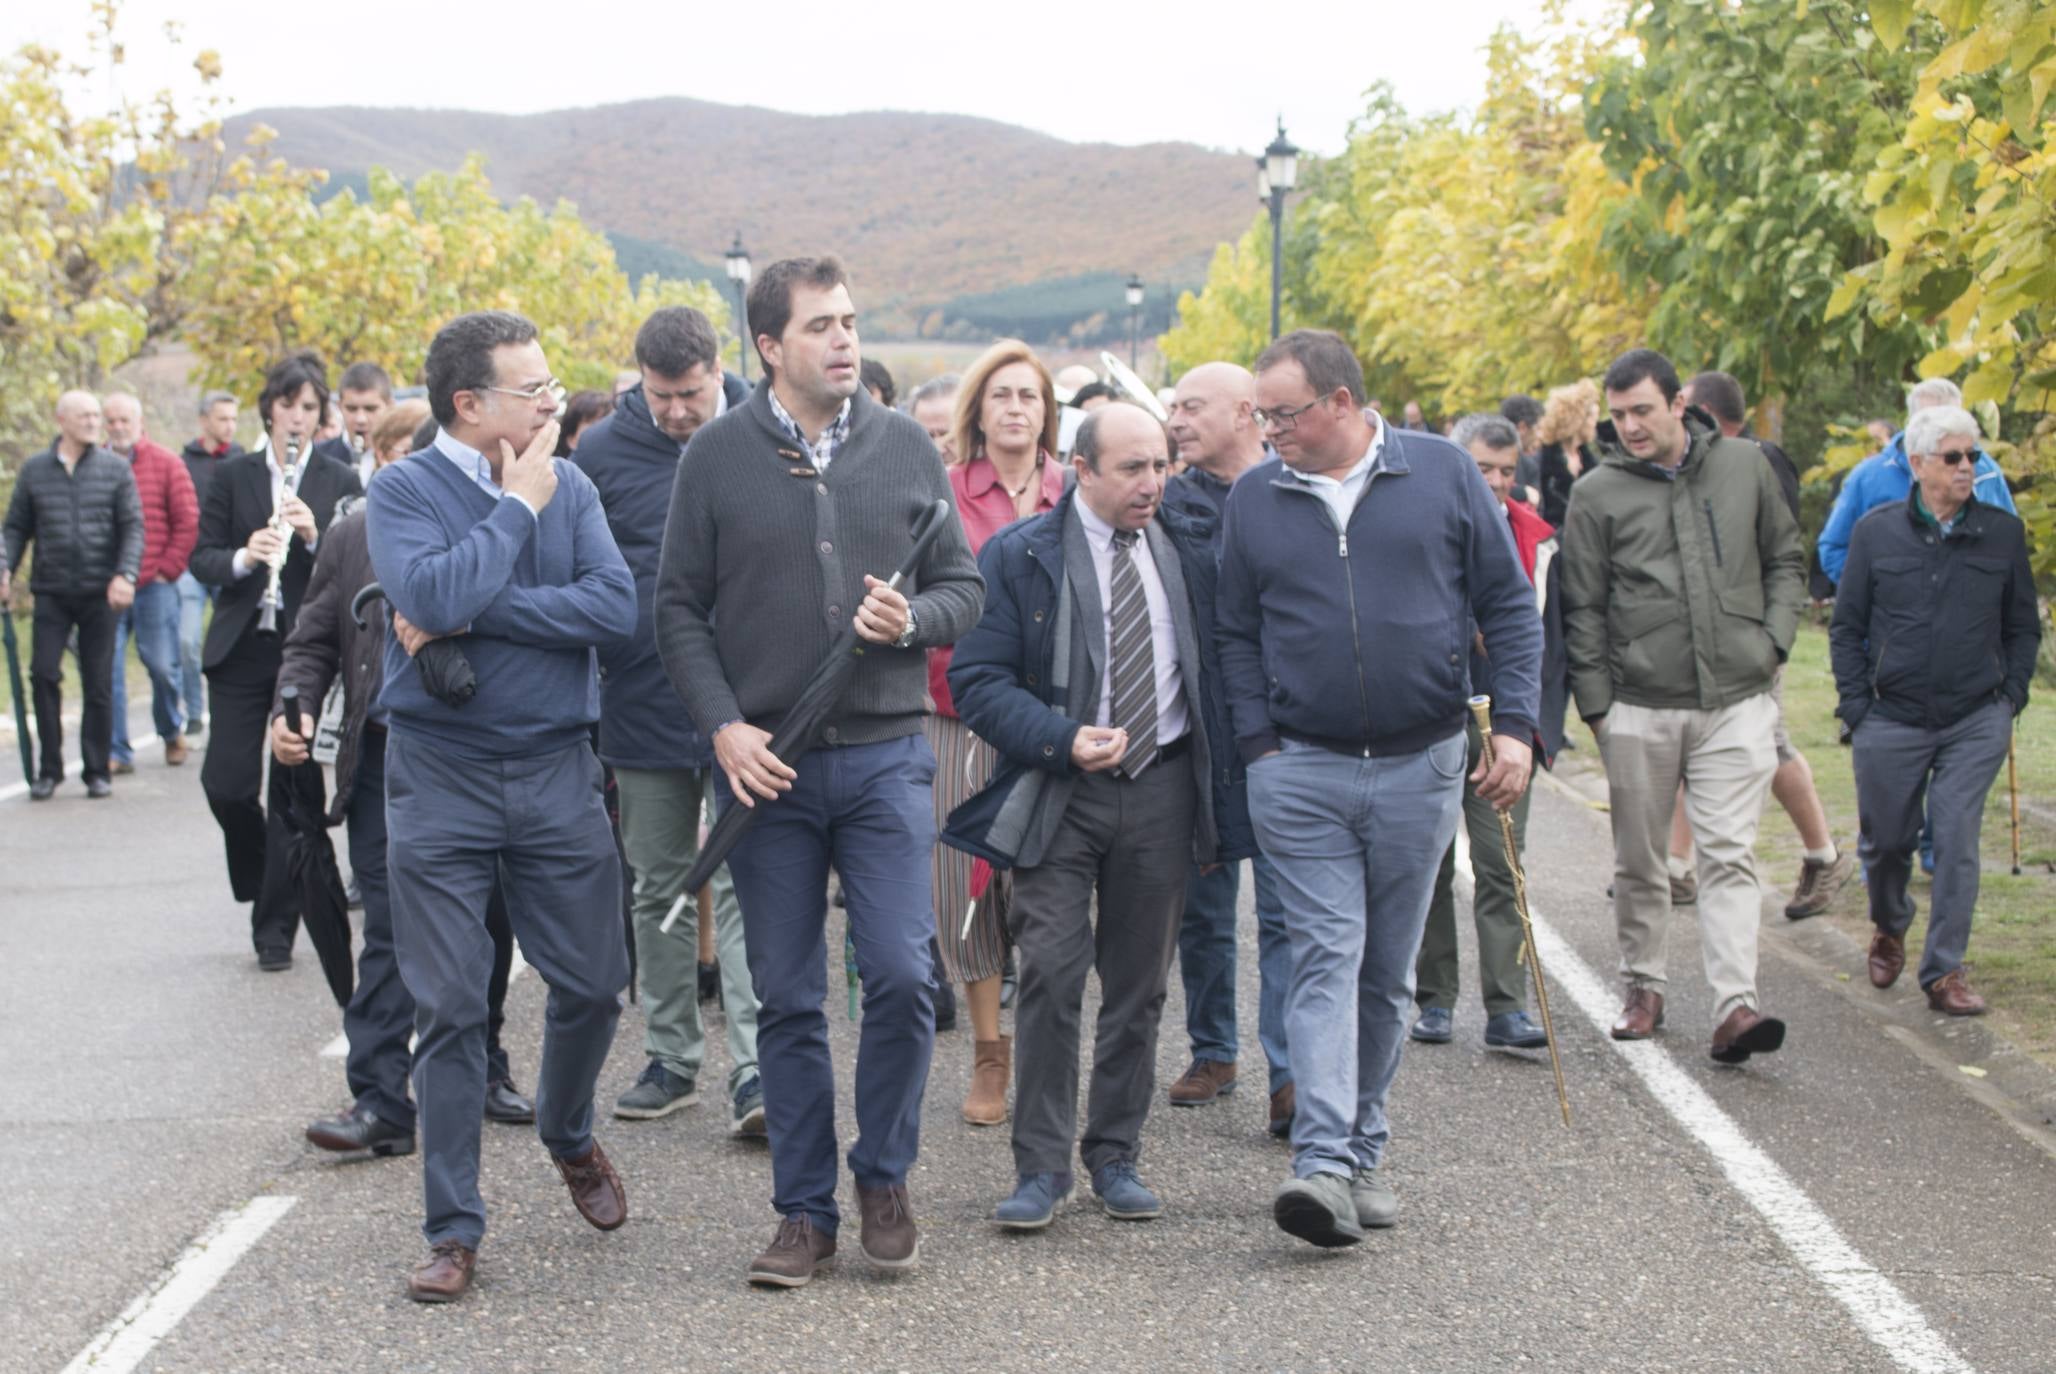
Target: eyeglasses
{"type": "Point", "coordinates": [549, 389]}
{"type": "Point", "coordinates": [1954, 456]}
{"type": "Point", "coordinates": [1286, 417]}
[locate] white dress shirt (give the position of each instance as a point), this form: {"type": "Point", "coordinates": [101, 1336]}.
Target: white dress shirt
{"type": "Point", "coordinates": [1172, 718]}
{"type": "Point", "coordinates": [241, 565]}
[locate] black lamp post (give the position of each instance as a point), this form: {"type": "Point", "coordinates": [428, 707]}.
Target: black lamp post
{"type": "Point", "coordinates": [1134, 316]}
{"type": "Point", "coordinates": [1276, 170]}
{"type": "Point", "coordinates": [738, 259]}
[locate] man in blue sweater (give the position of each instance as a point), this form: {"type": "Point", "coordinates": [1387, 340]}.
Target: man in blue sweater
{"type": "Point", "coordinates": [1346, 676]}
{"type": "Point", "coordinates": [485, 538]}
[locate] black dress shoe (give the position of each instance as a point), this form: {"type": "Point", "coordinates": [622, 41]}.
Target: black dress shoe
{"type": "Point", "coordinates": [99, 789]}
{"type": "Point", "coordinates": [360, 1128]}
{"type": "Point", "coordinates": [274, 960]}
{"type": "Point", "coordinates": [504, 1105]}
{"type": "Point", "coordinates": [42, 789]}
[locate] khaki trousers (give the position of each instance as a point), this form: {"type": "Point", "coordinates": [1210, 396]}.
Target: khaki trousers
{"type": "Point", "coordinates": [1725, 759]}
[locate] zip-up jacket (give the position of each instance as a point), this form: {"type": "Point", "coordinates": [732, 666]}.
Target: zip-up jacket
{"type": "Point", "coordinates": [1681, 590]}
{"type": "Point", "coordinates": [171, 513]}
{"type": "Point", "coordinates": [87, 523]}
{"type": "Point", "coordinates": [1928, 627]}
{"type": "Point", "coordinates": [1883, 479]}
{"type": "Point", "coordinates": [1357, 638]}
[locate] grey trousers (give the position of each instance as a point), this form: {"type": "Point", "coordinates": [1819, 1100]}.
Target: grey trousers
{"type": "Point", "coordinates": [1953, 768]}
{"type": "Point", "coordinates": [1130, 842]}
{"type": "Point", "coordinates": [1502, 982]}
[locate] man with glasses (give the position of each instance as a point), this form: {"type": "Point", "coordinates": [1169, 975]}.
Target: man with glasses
{"type": "Point", "coordinates": [485, 538]}
{"type": "Point", "coordinates": [1352, 572]}
{"type": "Point", "coordinates": [1934, 643]}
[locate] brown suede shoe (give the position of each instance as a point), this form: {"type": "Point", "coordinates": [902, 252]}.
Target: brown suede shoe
{"type": "Point", "coordinates": [1818, 884]}
{"type": "Point", "coordinates": [1887, 958]}
{"type": "Point", "coordinates": [1744, 1033]}
{"type": "Point", "coordinates": [445, 1275]}
{"type": "Point", "coordinates": [793, 1255]}
{"type": "Point", "coordinates": [1206, 1080]}
{"type": "Point", "coordinates": [1283, 1103]}
{"type": "Point", "coordinates": [175, 751]}
{"type": "Point", "coordinates": [1641, 1016]}
{"type": "Point", "coordinates": [595, 1188]}
{"type": "Point", "coordinates": [889, 1239]}
{"type": "Point", "coordinates": [991, 1069]}
{"type": "Point", "coordinates": [1951, 995]}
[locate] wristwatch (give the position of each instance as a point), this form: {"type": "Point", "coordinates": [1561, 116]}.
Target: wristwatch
{"type": "Point", "coordinates": [906, 639]}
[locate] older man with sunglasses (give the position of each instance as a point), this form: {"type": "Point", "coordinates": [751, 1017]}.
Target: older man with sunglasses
{"type": "Point", "coordinates": [1934, 642]}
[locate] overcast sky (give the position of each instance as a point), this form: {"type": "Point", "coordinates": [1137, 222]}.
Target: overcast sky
{"type": "Point", "coordinates": [1090, 71]}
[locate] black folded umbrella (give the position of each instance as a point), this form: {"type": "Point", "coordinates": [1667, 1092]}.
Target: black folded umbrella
{"type": "Point", "coordinates": [796, 733]}
{"type": "Point", "coordinates": [21, 707]}
{"type": "Point", "coordinates": [311, 866]}
{"type": "Point", "coordinates": [445, 673]}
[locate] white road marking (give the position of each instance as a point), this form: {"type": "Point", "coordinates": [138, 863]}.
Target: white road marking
{"type": "Point", "coordinates": [339, 1048]}
{"type": "Point", "coordinates": [126, 1341]}
{"type": "Point", "coordinates": [1881, 1311]}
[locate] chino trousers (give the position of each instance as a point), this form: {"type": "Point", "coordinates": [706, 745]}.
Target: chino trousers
{"type": "Point", "coordinates": [1502, 983]}
{"type": "Point", "coordinates": [56, 616]}
{"type": "Point", "coordinates": [456, 823]}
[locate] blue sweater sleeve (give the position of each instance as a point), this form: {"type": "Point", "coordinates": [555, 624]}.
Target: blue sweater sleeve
{"type": "Point", "coordinates": [596, 607]}
{"type": "Point", "coordinates": [442, 587]}
{"type": "Point", "coordinates": [985, 678]}
{"type": "Point", "coordinates": [1503, 604]}
{"type": "Point", "coordinates": [1238, 637]}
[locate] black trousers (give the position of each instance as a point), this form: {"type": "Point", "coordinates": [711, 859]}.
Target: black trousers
{"type": "Point", "coordinates": [56, 617]}
{"type": "Point", "coordinates": [252, 830]}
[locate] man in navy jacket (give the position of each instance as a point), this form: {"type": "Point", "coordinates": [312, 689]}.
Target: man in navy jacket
{"type": "Point", "coordinates": [1346, 676]}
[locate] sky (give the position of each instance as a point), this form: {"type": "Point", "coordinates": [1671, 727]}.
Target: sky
{"type": "Point", "coordinates": [1103, 71]}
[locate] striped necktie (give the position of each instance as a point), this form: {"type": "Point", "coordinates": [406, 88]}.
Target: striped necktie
{"type": "Point", "coordinates": [1131, 659]}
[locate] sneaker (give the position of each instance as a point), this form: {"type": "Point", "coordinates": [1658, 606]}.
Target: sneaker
{"type": "Point", "coordinates": [1122, 1194]}
{"type": "Point", "coordinates": [1436, 1026]}
{"type": "Point", "coordinates": [793, 1255]}
{"type": "Point", "coordinates": [1514, 1030]}
{"type": "Point", "coordinates": [747, 1119]}
{"type": "Point", "coordinates": [1035, 1200]}
{"type": "Point", "coordinates": [1377, 1206]}
{"type": "Point", "coordinates": [1818, 885]}
{"type": "Point", "coordinates": [659, 1092]}
{"type": "Point", "coordinates": [1319, 1210]}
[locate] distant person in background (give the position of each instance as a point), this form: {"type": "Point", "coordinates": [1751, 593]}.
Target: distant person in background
{"type": "Point", "coordinates": [76, 501]}
{"type": "Point", "coordinates": [1524, 413]}
{"type": "Point", "coordinates": [877, 378]}
{"type": "Point", "coordinates": [933, 406]}
{"type": "Point", "coordinates": [1413, 417]}
{"type": "Point", "coordinates": [171, 523]}
{"type": "Point", "coordinates": [214, 445]}
{"type": "Point", "coordinates": [1880, 432]}
{"type": "Point", "coordinates": [328, 434]}
{"type": "Point", "coordinates": [392, 438]}
{"type": "Point", "coordinates": [362, 395]}
{"type": "Point", "coordinates": [624, 379]}
{"type": "Point", "coordinates": [1093, 395]}
{"type": "Point", "coordinates": [1566, 432]}
{"type": "Point", "coordinates": [581, 408]}
{"type": "Point", "coordinates": [1070, 380]}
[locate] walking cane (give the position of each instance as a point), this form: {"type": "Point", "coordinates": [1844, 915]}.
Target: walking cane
{"type": "Point", "coordinates": [1481, 713]}
{"type": "Point", "coordinates": [2013, 789]}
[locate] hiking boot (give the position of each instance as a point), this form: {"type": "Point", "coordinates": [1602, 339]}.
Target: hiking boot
{"type": "Point", "coordinates": [1819, 882]}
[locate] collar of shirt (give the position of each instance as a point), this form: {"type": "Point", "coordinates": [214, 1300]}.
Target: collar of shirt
{"type": "Point", "coordinates": [1098, 533]}
{"type": "Point", "coordinates": [1372, 461]}
{"type": "Point", "coordinates": [469, 461]}
{"type": "Point", "coordinates": [822, 449]}
{"type": "Point", "coordinates": [271, 463]}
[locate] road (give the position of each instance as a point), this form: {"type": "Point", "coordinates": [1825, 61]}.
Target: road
{"type": "Point", "coordinates": [1855, 1203]}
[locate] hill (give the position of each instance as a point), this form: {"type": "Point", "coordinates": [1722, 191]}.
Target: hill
{"type": "Point", "coordinates": [927, 209]}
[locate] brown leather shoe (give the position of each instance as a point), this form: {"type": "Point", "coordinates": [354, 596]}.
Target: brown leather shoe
{"type": "Point", "coordinates": [793, 1255]}
{"type": "Point", "coordinates": [1951, 995]}
{"type": "Point", "coordinates": [1206, 1080]}
{"type": "Point", "coordinates": [1744, 1033]}
{"type": "Point", "coordinates": [175, 751]}
{"type": "Point", "coordinates": [1283, 1103]}
{"type": "Point", "coordinates": [1641, 1016]}
{"type": "Point", "coordinates": [991, 1068]}
{"type": "Point", "coordinates": [445, 1275]}
{"type": "Point", "coordinates": [595, 1188]}
{"type": "Point", "coordinates": [1887, 958]}
{"type": "Point", "coordinates": [889, 1239]}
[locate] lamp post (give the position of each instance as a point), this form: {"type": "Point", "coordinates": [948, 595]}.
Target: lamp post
{"type": "Point", "coordinates": [738, 259]}
{"type": "Point", "coordinates": [1134, 316]}
{"type": "Point", "coordinates": [1276, 170]}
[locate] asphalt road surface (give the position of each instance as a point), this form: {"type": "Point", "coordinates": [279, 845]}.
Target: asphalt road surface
{"type": "Point", "coordinates": [1854, 1203]}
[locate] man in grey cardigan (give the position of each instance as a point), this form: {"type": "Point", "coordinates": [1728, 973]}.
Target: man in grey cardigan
{"type": "Point", "coordinates": [786, 518]}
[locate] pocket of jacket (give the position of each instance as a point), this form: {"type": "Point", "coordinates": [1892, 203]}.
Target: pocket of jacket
{"type": "Point", "coordinates": [1745, 603]}
{"type": "Point", "coordinates": [1647, 639]}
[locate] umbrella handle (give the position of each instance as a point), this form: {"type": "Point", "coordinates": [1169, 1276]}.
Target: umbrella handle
{"type": "Point", "coordinates": [925, 532]}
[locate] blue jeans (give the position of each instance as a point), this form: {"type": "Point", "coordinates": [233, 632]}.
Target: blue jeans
{"type": "Point", "coordinates": [192, 615]}
{"type": "Point", "coordinates": [153, 623]}
{"type": "Point", "coordinates": [868, 809]}
{"type": "Point", "coordinates": [1206, 965]}
{"type": "Point", "coordinates": [1356, 843]}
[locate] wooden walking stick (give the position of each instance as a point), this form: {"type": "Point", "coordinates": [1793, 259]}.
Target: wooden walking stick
{"type": "Point", "coordinates": [1481, 713]}
{"type": "Point", "coordinates": [2013, 790]}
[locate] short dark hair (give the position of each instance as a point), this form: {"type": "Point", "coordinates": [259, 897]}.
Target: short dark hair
{"type": "Point", "coordinates": [582, 408]}
{"type": "Point", "coordinates": [1638, 365]}
{"type": "Point", "coordinates": [460, 357]}
{"type": "Point", "coordinates": [1324, 356]}
{"type": "Point", "coordinates": [1521, 410]}
{"type": "Point", "coordinates": [1091, 390]}
{"type": "Point", "coordinates": [1720, 394]}
{"type": "Point", "coordinates": [675, 340]}
{"type": "Point", "coordinates": [770, 298]}
{"type": "Point", "coordinates": [876, 375]}
{"type": "Point", "coordinates": [285, 379]}
{"type": "Point", "coordinates": [366, 377]}
{"type": "Point", "coordinates": [1085, 443]}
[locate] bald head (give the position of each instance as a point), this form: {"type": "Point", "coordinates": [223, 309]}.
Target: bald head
{"type": "Point", "coordinates": [1122, 458]}
{"type": "Point", "coordinates": [1213, 418]}
{"type": "Point", "coordinates": [78, 422]}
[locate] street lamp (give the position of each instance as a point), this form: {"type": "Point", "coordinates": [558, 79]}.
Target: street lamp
{"type": "Point", "coordinates": [738, 258]}
{"type": "Point", "coordinates": [1276, 171]}
{"type": "Point", "coordinates": [1134, 316]}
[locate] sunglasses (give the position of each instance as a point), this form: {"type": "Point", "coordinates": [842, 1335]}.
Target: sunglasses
{"type": "Point", "coordinates": [1954, 456]}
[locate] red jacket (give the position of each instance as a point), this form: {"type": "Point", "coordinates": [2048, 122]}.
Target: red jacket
{"type": "Point", "coordinates": [171, 513]}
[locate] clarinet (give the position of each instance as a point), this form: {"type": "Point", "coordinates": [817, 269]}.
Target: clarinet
{"type": "Point", "coordinates": [274, 597]}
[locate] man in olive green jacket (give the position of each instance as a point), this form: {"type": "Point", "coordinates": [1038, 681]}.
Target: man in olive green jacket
{"type": "Point", "coordinates": [1682, 582]}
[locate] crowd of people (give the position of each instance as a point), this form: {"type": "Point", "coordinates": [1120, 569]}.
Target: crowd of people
{"type": "Point", "coordinates": [1156, 637]}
